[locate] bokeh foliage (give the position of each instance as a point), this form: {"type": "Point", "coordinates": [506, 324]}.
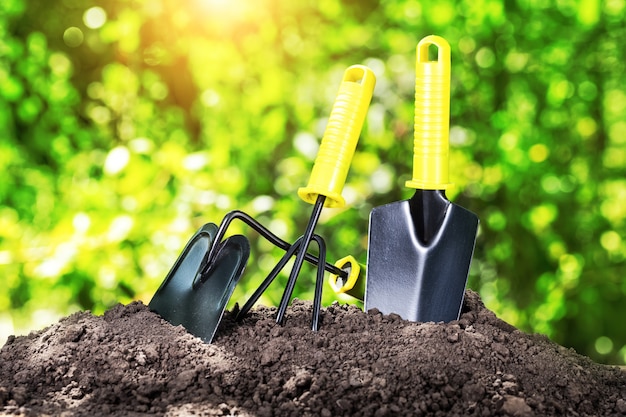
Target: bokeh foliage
{"type": "Point", "coordinates": [127, 124]}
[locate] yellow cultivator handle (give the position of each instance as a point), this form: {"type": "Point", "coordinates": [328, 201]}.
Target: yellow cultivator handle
{"type": "Point", "coordinates": [432, 116]}
{"type": "Point", "coordinates": [354, 284]}
{"type": "Point", "coordinates": [340, 138]}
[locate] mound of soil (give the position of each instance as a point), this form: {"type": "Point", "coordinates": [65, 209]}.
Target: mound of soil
{"type": "Point", "coordinates": [131, 362]}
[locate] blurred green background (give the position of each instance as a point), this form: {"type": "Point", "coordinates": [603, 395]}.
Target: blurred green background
{"type": "Point", "coordinates": [127, 124]}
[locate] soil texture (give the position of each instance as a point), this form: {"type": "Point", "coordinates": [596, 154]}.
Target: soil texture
{"type": "Point", "coordinates": [130, 362]}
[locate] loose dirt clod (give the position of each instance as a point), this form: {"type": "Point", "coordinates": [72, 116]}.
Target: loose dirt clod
{"type": "Point", "coordinates": [131, 362]}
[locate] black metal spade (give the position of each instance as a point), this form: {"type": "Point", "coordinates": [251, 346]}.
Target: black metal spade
{"type": "Point", "coordinates": [419, 255]}
{"type": "Point", "coordinates": [420, 249]}
{"type": "Point", "coordinates": [197, 289]}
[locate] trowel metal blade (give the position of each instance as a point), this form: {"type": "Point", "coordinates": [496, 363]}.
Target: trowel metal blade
{"type": "Point", "coordinates": [420, 281]}
{"type": "Point", "coordinates": [198, 304]}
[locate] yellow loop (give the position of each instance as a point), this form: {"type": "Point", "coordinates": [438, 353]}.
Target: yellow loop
{"type": "Point", "coordinates": [443, 49]}
{"type": "Point", "coordinates": [352, 286]}
{"type": "Point", "coordinates": [340, 138]}
{"type": "Point", "coordinates": [432, 116]}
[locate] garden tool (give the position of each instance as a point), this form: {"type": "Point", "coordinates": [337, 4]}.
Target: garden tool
{"type": "Point", "coordinates": [201, 282]}
{"type": "Point", "coordinates": [199, 286]}
{"type": "Point", "coordinates": [420, 249]}
{"type": "Point", "coordinates": [326, 181]}
{"type": "Point", "coordinates": [194, 295]}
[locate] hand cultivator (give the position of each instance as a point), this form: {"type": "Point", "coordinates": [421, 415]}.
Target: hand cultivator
{"type": "Point", "coordinates": [201, 282]}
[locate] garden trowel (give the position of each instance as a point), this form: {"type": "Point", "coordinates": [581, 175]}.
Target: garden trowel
{"type": "Point", "coordinates": [420, 249]}
{"type": "Point", "coordinates": [196, 290]}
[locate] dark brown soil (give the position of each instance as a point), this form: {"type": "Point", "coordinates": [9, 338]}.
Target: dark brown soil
{"type": "Point", "coordinates": [131, 362]}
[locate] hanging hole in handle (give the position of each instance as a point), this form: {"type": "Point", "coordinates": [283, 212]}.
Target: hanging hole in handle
{"type": "Point", "coordinates": [359, 74]}
{"type": "Point", "coordinates": [433, 48]}
{"type": "Point", "coordinates": [355, 74]}
{"type": "Point", "coordinates": [433, 53]}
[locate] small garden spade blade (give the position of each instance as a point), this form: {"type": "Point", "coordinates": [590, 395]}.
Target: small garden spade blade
{"type": "Point", "coordinates": [420, 249]}
{"type": "Point", "coordinates": [195, 294]}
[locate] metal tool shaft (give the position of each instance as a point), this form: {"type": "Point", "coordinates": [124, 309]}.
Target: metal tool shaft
{"type": "Point", "coordinates": [304, 246]}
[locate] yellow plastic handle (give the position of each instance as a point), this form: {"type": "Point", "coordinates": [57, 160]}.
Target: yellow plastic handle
{"type": "Point", "coordinates": [340, 138]}
{"type": "Point", "coordinates": [432, 116]}
{"type": "Point", "coordinates": [353, 285]}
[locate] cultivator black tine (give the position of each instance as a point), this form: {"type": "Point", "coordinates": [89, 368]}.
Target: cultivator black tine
{"type": "Point", "coordinates": [270, 278]}
{"type": "Point", "coordinates": [319, 281]}
{"type": "Point", "coordinates": [306, 239]}
{"type": "Point", "coordinates": [317, 300]}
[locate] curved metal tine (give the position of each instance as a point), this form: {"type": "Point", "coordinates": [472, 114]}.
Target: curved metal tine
{"type": "Point", "coordinates": [270, 278]}
{"type": "Point", "coordinates": [267, 234]}
{"type": "Point", "coordinates": [219, 236]}
{"type": "Point", "coordinates": [302, 252]}
{"type": "Point", "coordinates": [319, 281]}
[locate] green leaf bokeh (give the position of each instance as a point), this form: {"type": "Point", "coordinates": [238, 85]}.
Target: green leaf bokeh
{"type": "Point", "coordinates": [126, 125]}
